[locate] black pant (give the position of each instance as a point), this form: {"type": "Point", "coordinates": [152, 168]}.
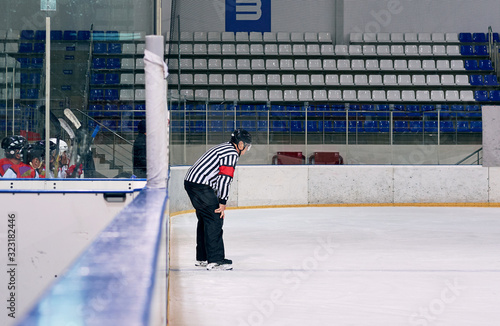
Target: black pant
{"type": "Point", "coordinates": [209, 244]}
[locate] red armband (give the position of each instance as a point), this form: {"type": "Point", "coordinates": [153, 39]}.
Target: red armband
{"type": "Point", "coordinates": [226, 170]}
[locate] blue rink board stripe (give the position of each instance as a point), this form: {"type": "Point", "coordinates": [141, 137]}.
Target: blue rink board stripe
{"type": "Point", "coordinates": [112, 281]}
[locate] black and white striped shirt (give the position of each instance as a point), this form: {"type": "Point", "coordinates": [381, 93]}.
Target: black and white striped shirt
{"type": "Point", "coordinates": [215, 168]}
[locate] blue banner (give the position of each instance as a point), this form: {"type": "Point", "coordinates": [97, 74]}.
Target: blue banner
{"type": "Point", "coordinates": [248, 15]}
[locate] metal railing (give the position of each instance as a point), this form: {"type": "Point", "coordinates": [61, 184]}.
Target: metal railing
{"type": "Point", "coordinates": [479, 157]}
{"type": "Point", "coordinates": [493, 51]}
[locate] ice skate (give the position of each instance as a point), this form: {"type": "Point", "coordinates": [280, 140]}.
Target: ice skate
{"type": "Point", "coordinates": [225, 264]}
{"type": "Point", "coordinates": [201, 263]}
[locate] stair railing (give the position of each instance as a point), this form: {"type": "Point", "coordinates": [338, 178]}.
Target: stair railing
{"type": "Point", "coordinates": [479, 156]}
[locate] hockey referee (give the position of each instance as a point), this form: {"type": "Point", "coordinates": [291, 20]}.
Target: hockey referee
{"type": "Point", "coordinates": [207, 183]}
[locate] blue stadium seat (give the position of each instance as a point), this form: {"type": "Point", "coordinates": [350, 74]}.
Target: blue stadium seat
{"type": "Point", "coordinates": [229, 126]}
{"type": "Point", "coordinates": [297, 126]}
{"type": "Point", "coordinates": [480, 50]}
{"type": "Point", "coordinates": [100, 48]}
{"type": "Point", "coordinates": [496, 37]}
{"type": "Point", "coordinates": [96, 95]}
{"type": "Point", "coordinates": [249, 125]}
{"type": "Point", "coordinates": [457, 107]}
{"type": "Point", "coordinates": [466, 50]}
{"type": "Point", "coordinates": [339, 126]}
{"type": "Point", "coordinates": [83, 35]}
{"type": "Point", "coordinates": [382, 107]}
{"type": "Point", "coordinates": [476, 126]}
{"type": "Point", "coordinates": [31, 93]}
{"type": "Point", "coordinates": [485, 65]}
{"type": "Point", "coordinates": [35, 78]}
{"type": "Point", "coordinates": [25, 47]}
{"type": "Point", "coordinates": [471, 64]}
{"type": "Point", "coordinates": [312, 111]}
{"type": "Point", "coordinates": [27, 34]}
{"type": "Point", "coordinates": [40, 35]}
{"type": "Point", "coordinates": [416, 126]}
{"type": "Point", "coordinates": [95, 107]}
{"type": "Point", "coordinates": [113, 63]}
{"type": "Point", "coordinates": [38, 47]}
{"type": "Point", "coordinates": [112, 79]}
{"type": "Point", "coordinates": [216, 126]}
{"type": "Point", "coordinates": [262, 126]}
{"type": "Point", "coordinates": [328, 126]}
{"type": "Point", "coordinates": [495, 95]}
{"type": "Point", "coordinates": [246, 110]}
{"type": "Point", "coordinates": [481, 96]}
{"type": "Point", "coordinates": [401, 126]}
{"type": "Point", "coordinates": [465, 37]}
{"type": "Point", "coordinates": [177, 126]}
{"type": "Point", "coordinates": [427, 107]}
{"type": "Point", "coordinates": [261, 110]}
{"type": "Point", "coordinates": [314, 126]}
{"type": "Point", "coordinates": [355, 126]}
{"type": "Point", "coordinates": [473, 108]}
{"type": "Point", "coordinates": [114, 48]}
{"type": "Point", "coordinates": [278, 111]}
{"type": "Point", "coordinates": [216, 110]}
{"type": "Point", "coordinates": [476, 80]}
{"type": "Point", "coordinates": [56, 35]}
{"type": "Point", "coordinates": [280, 126]}
{"type": "Point", "coordinates": [384, 125]}
{"type": "Point", "coordinates": [25, 78]}
{"type": "Point", "coordinates": [111, 110]}
{"type": "Point", "coordinates": [99, 63]}
{"type": "Point", "coordinates": [24, 62]}
{"type": "Point", "coordinates": [447, 126]}
{"type": "Point", "coordinates": [462, 126]}
{"type": "Point", "coordinates": [35, 63]}
{"type": "Point", "coordinates": [430, 126]}
{"type": "Point", "coordinates": [479, 37]}
{"type": "Point", "coordinates": [413, 110]}
{"type": "Point", "coordinates": [69, 35]}
{"type": "Point", "coordinates": [295, 110]}
{"type": "Point", "coordinates": [97, 79]}
{"type": "Point", "coordinates": [368, 107]}
{"type": "Point", "coordinates": [491, 80]}
{"type": "Point", "coordinates": [197, 126]}
{"type": "Point", "coordinates": [371, 126]}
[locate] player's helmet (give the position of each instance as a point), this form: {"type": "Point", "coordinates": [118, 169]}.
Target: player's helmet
{"type": "Point", "coordinates": [241, 135]}
{"type": "Point", "coordinates": [41, 143]}
{"type": "Point", "coordinates": [33, 151]}
{"type": "Point", "coordinates": [13, 144]}
{"type": "Point", "coordinates": [63, 146]}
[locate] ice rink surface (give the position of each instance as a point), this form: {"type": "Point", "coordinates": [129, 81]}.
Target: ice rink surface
{"type": "Point", "coordinates": [339, 266]}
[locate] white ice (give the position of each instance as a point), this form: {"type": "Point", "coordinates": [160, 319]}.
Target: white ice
{"type": "Point", "coordinates": [342, 266]}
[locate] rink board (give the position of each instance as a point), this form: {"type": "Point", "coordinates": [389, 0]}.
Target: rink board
{"type": "Point", "coordinates": [112, 281]}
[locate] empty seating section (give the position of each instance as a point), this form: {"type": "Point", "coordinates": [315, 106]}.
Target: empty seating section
{"type": "Point", "coordinates": [306, 69]}
{"type": "Point", "coordinates": [115, 81]}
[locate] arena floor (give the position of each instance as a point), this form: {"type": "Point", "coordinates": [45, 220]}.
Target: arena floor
{"type": "Point", "coordinates": [342, 266]}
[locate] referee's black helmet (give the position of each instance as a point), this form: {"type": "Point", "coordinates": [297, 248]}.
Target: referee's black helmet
{"type": "Point", "coordinates": [241, 135]}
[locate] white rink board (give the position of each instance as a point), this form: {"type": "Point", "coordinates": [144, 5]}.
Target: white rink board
{"type": "Point", "coordinates": [350, 184]}
{"type": "Point", "coordinates": [440, 184]}
{"type": "Point", "coordinates": [51, 230]}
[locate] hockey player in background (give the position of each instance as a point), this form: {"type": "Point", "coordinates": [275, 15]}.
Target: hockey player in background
{"type": "Point", "coordinates": [207, 183]}
{"type": "Point", "coordinates": [12, 165]}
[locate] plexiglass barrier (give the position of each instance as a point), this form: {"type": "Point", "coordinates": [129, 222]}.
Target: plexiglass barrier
{"type": "Point", "coordinates": [303, 133]}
